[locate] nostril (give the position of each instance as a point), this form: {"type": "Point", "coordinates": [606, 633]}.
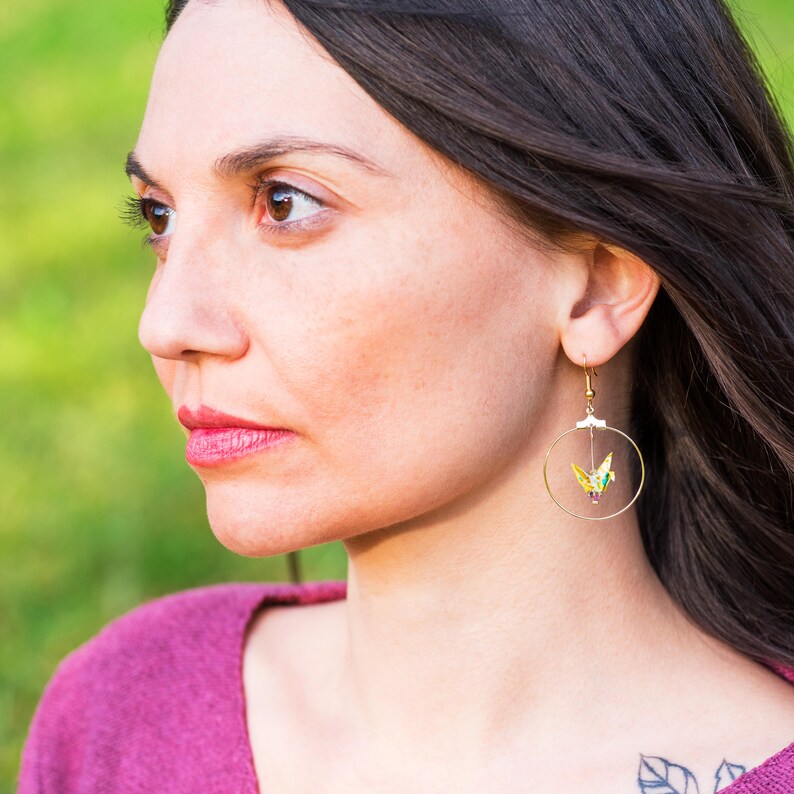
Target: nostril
{"type": "Point", "coordinates": [190, 354]}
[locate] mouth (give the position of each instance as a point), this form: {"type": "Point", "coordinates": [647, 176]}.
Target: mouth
{"type": "Point", "coordinates": [217, 438]}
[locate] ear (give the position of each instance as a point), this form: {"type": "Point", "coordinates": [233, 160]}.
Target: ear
{"type": "Point", "coordinates": [619, 291]}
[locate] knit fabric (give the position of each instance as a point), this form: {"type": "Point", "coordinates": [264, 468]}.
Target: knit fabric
{"type": "Point", "coordinates": [155, 702]}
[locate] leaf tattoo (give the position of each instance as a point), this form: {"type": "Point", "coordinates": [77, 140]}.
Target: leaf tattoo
{"type": "Point", "coordinates": [659, 776]}
{"type": "Point", "coordinates": [726, 774]}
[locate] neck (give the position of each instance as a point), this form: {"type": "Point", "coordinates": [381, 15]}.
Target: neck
{"type": "Point", "coordinates": [501, 616]}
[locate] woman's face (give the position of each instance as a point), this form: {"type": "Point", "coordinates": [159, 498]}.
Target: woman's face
{"type": "Point", "coordinates": [376, 304]}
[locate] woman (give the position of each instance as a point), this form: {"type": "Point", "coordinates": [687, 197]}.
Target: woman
{"type": "Point", "coordinates": [402, 248]}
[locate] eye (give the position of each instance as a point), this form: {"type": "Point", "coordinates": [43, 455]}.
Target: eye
{"type": "Point", "coordinates": [283, 202]}
{"type": "Point", "coordinates": [160, 217]}
{"type": "Point", "coordinates": [141, 212]}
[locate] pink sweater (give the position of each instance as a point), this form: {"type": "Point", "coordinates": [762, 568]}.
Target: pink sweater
{"type": "Point", "coordinates": [154, 703]}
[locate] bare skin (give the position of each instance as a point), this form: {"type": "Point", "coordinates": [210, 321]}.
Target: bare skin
{"type": "Point", "coordinates": [425, 355]}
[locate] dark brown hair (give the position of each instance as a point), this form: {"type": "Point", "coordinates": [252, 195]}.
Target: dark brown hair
{"type": "Point", "coordinates": [647, 124]}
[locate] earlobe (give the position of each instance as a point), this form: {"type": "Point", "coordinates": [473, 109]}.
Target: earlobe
{"type": "Point", "coordinates": [619, 293]}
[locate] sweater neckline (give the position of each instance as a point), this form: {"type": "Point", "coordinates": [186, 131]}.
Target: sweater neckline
{"type": "Point", "coordinates": [266, 595]}
{"type": "Point", "coordinates": [283, 593]}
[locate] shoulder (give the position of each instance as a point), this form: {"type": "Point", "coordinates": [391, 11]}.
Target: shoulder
{"type": "Point", "coordinates": [154, 666]}
{"type": "Point", "coordinates": [169, 628]}
{"type": "Point", "coordinates": [156, 632]}
{"type": "Point", "coordinates": [773, 776]}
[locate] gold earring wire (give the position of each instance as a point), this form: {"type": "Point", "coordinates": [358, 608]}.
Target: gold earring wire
{"type": "Point", "coordinates": [596, 481]}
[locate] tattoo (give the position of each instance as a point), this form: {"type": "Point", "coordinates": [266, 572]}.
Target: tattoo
{"type": "Point", "coordinates": [660, 776]}
{"type": "Point", "coordinates": [727, 773]}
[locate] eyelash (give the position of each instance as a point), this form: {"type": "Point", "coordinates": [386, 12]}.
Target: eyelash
{"type": "Point", "coordinates": [132, 213]}
{"type": "Point", "coordinates": [133, 210]}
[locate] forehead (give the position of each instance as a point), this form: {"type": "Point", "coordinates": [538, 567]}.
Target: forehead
{"type": "Point", "coordinates": [233, 72]}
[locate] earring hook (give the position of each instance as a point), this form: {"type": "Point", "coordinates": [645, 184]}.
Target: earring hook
{"type": "Point", "coordinates": [589, 392]}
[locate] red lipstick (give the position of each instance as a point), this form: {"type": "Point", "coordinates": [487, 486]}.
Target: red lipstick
{"type": "Point", "coordinates": [217, 438]}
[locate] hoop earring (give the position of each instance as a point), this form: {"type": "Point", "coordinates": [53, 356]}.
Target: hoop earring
{"type": "Point", "coordinates": [595, 482]}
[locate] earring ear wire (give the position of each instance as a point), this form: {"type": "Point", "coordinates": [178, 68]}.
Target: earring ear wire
{"type": "Point", "coordinates": [595, 481]}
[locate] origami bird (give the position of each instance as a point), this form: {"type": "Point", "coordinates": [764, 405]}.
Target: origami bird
{"type": "Point", "coordinates": [597, 481]}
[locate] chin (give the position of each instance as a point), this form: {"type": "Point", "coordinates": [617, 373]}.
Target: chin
{"type": "Point", "coordinates": [251, 522]}
{"type": "Point", "coordinates": [253, 533]}
{"type": "Point", "coordinates": [247, 542]}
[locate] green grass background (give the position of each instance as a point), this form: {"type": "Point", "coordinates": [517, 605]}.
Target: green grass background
{"type": "Point", "coordinates": [98, 510]}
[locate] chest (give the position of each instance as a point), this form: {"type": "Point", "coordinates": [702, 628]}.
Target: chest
{"type": "Point", "coordinates": [294, 757]}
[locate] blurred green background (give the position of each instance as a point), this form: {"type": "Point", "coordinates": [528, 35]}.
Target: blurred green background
{"type": "Point", "coordinates": [98, 510]}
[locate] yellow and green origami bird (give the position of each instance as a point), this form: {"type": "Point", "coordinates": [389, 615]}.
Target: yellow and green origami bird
{"type": "Point", "coordinates": [597, 481]}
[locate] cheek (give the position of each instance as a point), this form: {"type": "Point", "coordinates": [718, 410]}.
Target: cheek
{"type": "Point", "coordinates": [419, 372]}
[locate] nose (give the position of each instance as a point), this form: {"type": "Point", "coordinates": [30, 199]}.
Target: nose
{"type": "Point", "coordinates": [189, 313]}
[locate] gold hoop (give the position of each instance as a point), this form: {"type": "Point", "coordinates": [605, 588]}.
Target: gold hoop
{"type": "Point", "coordinates": [594, 518]}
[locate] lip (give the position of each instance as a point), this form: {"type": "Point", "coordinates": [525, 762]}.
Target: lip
{"type": "Point", "coordinates": [206, 417]}
{"type": "Point", "coordinates": [217, 438]}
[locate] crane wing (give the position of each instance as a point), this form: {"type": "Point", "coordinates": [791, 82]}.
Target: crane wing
{"type": "Point", "coordinates": [583, 478]}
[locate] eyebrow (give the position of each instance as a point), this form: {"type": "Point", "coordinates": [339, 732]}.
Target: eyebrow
{"type": "Point", "coordinates": [133, 167]}
{"type": "Point", "coordinates": [247, 159]}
